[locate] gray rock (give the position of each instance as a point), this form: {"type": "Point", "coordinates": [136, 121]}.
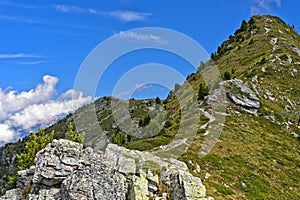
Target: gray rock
{"type": "Point", "coordinates": [243, 87]}
{"type": "Point", "coordinates": [289, 60]}
{"type": "Point", "coordinates": [25, 177]}
{"type": "Point", "coordinates": [139, 188]}
{"type": "Point", "coordinates": [198, 169]}
{"type": "Point", "coordinates": [187, 187]}
{"type": "Point", "coordinates": [207, 175]}
{"type": "Point", "coordinates": [296, 50]}
{"type": "Point", "coordinates": [56, 162]}
{"type": "Point", "coordinates": [94, 182]}
{"type": "Point", "coordinates": [270, 118]}
{"type": "Point", "coordinates": [294, 72]}
{"type": "Point", "coordinates": [295, 135]}
{"type": "Point", "coordinates": [273, 41]}
{"type": "Point", "coordinates": [250, 104]}
{"type": "Point", "coordinates": [241, 95]}
{"type": "Point", "coordinates": [244, 185]}
{"type": "Point", "coordinates": [14, 194]}
{"type": "Point", "coordinates": [46, 194]}
{"type": "Point", "coordinates": [64, 170]}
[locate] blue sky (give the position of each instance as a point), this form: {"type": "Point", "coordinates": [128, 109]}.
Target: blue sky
{"type": "Point", "coordinates": [43, 44]}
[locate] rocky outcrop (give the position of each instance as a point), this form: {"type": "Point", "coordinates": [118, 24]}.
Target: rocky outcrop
{"type": "Point", "coordinates": [248, 103]}
{"type": "Point", "coordinates": [296, 50]}
{"type": "Point", "coordinates": [241, 95]}
{"type": "Point", "coordinates": [14, 194]}
{"type": "Point", "coordinates": [65, 170]}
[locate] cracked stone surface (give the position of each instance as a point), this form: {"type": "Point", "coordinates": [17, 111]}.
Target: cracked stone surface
{"type": "Point", "coordinates": [64, 170]}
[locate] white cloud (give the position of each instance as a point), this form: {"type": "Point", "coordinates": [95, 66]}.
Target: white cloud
{"type": "Point", "coordinates": [74, 9]}
{"type": "Point", "coordinates": [6, 134]}
{"type": "Point", "coordinates": [142, 37]}
{"type": "Point", "coordinates": [129, 16]}
{"type": "Point", "coordinates": [36, 107]}
{"type": "Point", "coordinates": [261, 6]}
{"type": "Point", "coordinates": [18, 55]}
{"type": "Point", "coordinates": [140, 87]}
{"type": "Point", "coordinates": [122, 15]}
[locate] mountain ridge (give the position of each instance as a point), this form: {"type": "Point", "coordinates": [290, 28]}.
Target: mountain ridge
{"type": "Point", "coordinates": [256, 157]}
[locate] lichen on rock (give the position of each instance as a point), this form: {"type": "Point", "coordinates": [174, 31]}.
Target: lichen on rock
{"type": "Point", "coordinates": [65, 170]}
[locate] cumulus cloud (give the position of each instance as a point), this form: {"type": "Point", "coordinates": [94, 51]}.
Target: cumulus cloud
{"type": "Point", "coordinates": [6, 134]}
{"type": "Point", "coordinates": [27, 110]}
{"type": "Point", "coordinates": [261, 6]}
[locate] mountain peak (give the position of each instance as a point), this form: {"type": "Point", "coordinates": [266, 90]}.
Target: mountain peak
{"type": "Point", "coordinates": [258, 30]}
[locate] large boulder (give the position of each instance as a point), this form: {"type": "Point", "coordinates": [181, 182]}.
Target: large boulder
{"type": "Point", "coordinates": [14, 194]}
{"type": "Point", "coordinates": [94, 182]}
{"type": "Point", "coordinates": [187, 186]}
{"type": "Point", "coordinates": [248, 103]}
{"type": "Point", "coordinates": [65, 170]}
{"type": "Point", "coordinates": [57, 161]}
{"type": "Point", "coordinates": [241, 95]}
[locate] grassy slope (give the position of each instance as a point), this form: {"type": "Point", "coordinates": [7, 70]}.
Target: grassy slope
{"type": "Point", "coordinates": [251, 150]}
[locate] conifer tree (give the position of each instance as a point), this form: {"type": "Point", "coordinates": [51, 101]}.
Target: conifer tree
{"type": "Point", "coordinates": [70, 135]}
{"type": "Point", "coordinates": [203, 91]}
{"type": "Point", "coordinates": [37, 141]}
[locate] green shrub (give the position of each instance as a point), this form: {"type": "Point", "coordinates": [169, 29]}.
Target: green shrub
{"type": "Point", "coordinates": [263, 61]}
{"type": "Point", "coordinates": [70, 135]}
{"type": "Point", "coordinates": [119, 138]}
{"type": "Point", "coordinates": [227, 75]}
{"type": "Point", "coordinates": [157, 100]}
{"type": "Point", "coordinates": [37, 141]}
{"type": "Point", "coordinates": [13, 181]}
{"type": "Point", "coordinates": [203, 91]}
{"type": "Point", "coordinates": [145, 121]}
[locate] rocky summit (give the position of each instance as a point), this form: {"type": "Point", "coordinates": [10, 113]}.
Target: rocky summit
{"type": "Point", "coordinates": [65, 170]}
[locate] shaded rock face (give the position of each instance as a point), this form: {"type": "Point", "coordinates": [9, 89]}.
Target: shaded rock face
{"type": "Point", "coordinates": [65, 170]}
{"type": "Point", "coordinates": [241, 95]}
{"type": "Point", "coordinates": [248, 103]}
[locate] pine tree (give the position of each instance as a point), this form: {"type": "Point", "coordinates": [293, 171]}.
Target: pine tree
{"type": "Point", "coordinates": [157, 100]}
{"type": "Point", "coordinates": [119, 138]}
{"type": "Point", "coordinates": [227, 75]}
{"type": "Point", "coordinates": [243, 26]}
{"type": "Point", "coordinates": [203, 91]}
{"type": "Point", "coordinates": [37, 141]}
{"type": "Point", "coordinates": [70, 135]}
